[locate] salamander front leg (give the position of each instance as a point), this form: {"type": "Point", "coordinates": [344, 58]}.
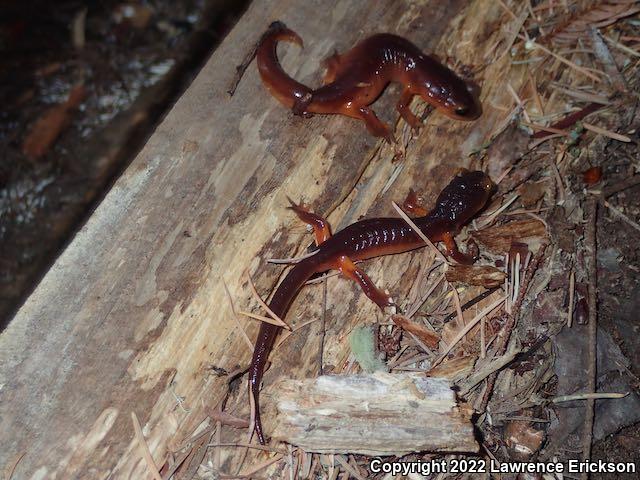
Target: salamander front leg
{"type": "Point", "coordinates": [453, 252]}
{"type": "Point", "coordinates": [405, 111]}
{"type": "Point", "coordinates": [350, 270]}
{"type": "Point", "coordinates": [321, 228]}
{"type": "Point", "coordinates": [413, 205]}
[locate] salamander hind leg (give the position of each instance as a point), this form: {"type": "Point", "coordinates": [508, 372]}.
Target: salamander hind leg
{"type": "Point", "coordinates": [375, 126]}
{"type": "Point", "coordinates": [457, 255]}
{"type": "Point", "coordinates": [405, 111]}
{"type": "Point", "coordinates": [321, 228]}
{"type": "Point", "coordinates": [332, 68]}
{"type": "Point", "coordinates": [350, 270]}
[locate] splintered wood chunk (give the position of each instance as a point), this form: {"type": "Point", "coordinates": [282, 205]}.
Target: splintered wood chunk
{"type": "Point", "coordinates": [428, 337]}
{"type": "Point", "coordinates": [499, 239]}
{"type": "Point", "coordinates": [375, 414]}
{"type": "Point", "coordinates": [483, 276]}
{"type": "Point", "coordinates": [454, 368]}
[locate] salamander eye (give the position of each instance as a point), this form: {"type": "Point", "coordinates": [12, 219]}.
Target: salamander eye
{"type": "Point", "coordinates": [462, 111]}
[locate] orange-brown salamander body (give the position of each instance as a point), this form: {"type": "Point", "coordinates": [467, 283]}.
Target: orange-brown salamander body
{"type": "Point", "coordinates": [355, 79]}
{"type": "Point", "coordinates": [458, 203]}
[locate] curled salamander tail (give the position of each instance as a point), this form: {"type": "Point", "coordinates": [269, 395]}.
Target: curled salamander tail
{"type": "Point", "coordinates": [279, 32]}
{"type": "Point", "coordinates": [287, 90]}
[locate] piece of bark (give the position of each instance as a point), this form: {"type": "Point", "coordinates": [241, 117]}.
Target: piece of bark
{"type": "Point", "coordinates": [499, 239]}
{"type": "Point", "coordinates": [483, 276]}
{"type": "Point", "coordinates": [377, 414]}
{"type": "Point", "coordinates": [428, 337]}
{"type": "Point", "coordinates": [454, 368]}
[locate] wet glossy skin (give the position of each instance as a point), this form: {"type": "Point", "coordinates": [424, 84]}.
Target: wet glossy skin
{"type": "Point", "coordinates": [458, 203]}
{"type": "Point", "coordinates": [355, 79]}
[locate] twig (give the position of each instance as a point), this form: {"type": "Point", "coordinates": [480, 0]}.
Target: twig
{"type": "Point", "coordinates": [10, 470]}
{"type": "Point", "coordinates": [621, 215]}
{"type": "Point", "coordinates": [344, 464]}
{"type": "Point", "coordinates": [580, 94]}
{"type": "Point", "coordinates": [262, 302]}
{"type": "Point", "coordinates": [148, 458]}
{"type": "Point", "coordinates": [535, 126]}
{"type": "Point", "coordinates": [262, 318]}
{"type": "Point", "coordinates": [572, 290]}
{"type": "Point", "coordinates": [623, 185]}
{"type": "Point", "coordinates": [471, 303]}
{"type": "Point", "coordinates": [569, 63]}
{"type": "Point", "coordinates": [592, 275]}
{"type": "Point", "coordinates": [246, 61]}
{"type": "Point", "coordinates": [570, 120]}
{"type": "Point", "coordinates": [293, 259]}
{"type": "Point", "coordinates": [587, 396]}
{"type": "Point", "coordinates": [255, 446]}
{"type": "Point", "coordinates": [606, 133]}
{"type": "Point", "coordinates": [236, 319]}
{"type": "Point", "coordinates": [419, 232]}
{"type": "Point", "coordinates": [519, 102]}
{"type": "Point", "coordinates": [467, 328]}
{"type": "Point", "coordinates": [261, 466]}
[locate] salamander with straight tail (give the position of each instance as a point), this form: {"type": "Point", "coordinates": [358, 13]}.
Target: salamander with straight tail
{"type": "Point", "coordinates": [457, 204]}
{"type": "Point", "coordinates": [355, 79]}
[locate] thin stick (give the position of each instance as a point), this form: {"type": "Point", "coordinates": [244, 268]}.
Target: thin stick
{"type": "Point", "coordinates": [587, 396]}
{"type": "Point", "coordinates": [535, 126]}
{"type": "Point", "coordinates": [519, 102]}
{"type": "Point", "coordinates": [467, 328]}
{"type": "Point", "coordinates": [623, 185]}
{"type": "Point", "coordinates": [236, 319]}
{"type": "Point", "coordinates": [569, 63]}
{"type": "Point", "coordinates": [344, 464]}
{"type": "Point", "coordinates": [217, 453]}
{"type": "Point", "coordinates": [146, 453]}
{"type": "Point", "coordinates": [606, 133]}
{"type": "Point", "coordinates": [261, 466]}
{"type": "Point", "coordinates": [592, 275]}
{"type": "Point", "coordinates": [293, 259]}
{"type": "Point", "coordinates": [621, 215]}
{"type": "Point", "coordinates": [10, 470]}
{"type": "Point", "coordinates": [456, 303]}
{"type": "Point", "coordinates": [471, 303]}
{"type": "Point", "coordinates": [262, 318]}
{"type": "Point", "coordinates": [572, 291]}
{"type": "Point", "coordinates": [423, 298]}
{"type": "Point", "coordinates": [262, 302]}
{"type": "Point", "coordinates": [420, 233]}
{"type": "Point", "coordinates": [254, 446]}
{"type": "Point", "coordinates": [622, 47]}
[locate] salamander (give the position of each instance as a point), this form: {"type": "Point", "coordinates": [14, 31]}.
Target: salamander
{"type": "Point", "coordinates": [355, 79]}
{"type": "Point", "coordinates": [456, 205]}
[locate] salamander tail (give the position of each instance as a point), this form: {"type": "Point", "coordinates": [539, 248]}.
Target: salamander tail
{"type": "Point", "coordinates": [286, 89]}
{"type": "Point", "coordinates": [279, 32]}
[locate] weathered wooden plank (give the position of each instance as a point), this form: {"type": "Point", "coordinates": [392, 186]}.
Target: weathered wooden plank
{"type": "Point", "coordinates": [133, 314]}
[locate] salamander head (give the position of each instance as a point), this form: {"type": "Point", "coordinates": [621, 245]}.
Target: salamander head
{"type": "Point", "coordinates": [445, 90]}
{"type": "Point", "coordinates": [465, 196]}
